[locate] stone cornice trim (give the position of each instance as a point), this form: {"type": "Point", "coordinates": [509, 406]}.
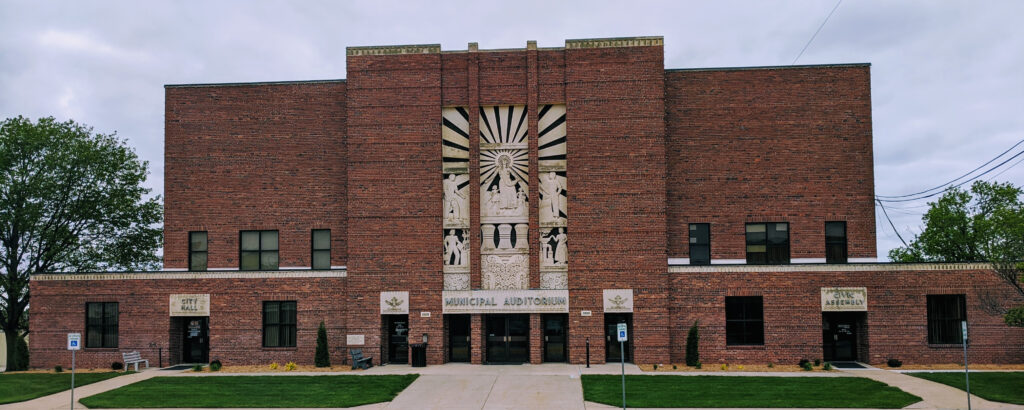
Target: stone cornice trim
{"type": "Point", "coordinates": [338, 273]}
{"type": "Point", "coordinates": [850, 267]}
{"type": "Point", "coordinates": [393, 50]}
{"type": "Point", "coordinates": [615, 42]}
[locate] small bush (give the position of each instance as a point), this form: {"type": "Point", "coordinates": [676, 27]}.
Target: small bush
{"type": "Point", "coordinates": [807, 366]}
{"type": "Point", "coordinates": [725, 367]}
{"type": "Point", "coordinates": [215, 365]}
{"type": "Point", "coordinates": [692, 346]}
{"type": "Point", "coordinates": [290, 366]}
{"type": "Point", "coordinates": [817, 362]}
{"type": "Point", "coordinates": [699, 365]}
{"type": "Point", "coordinates": [322, 357]}
{"type": "Point", "coordinates": [1015, 317]}
{"type": "Point", "coordinates": [116, 366]}
{"type": "Point", "coordinates": [803, 362]}
{"type": "Point", "coordinates": [828, 366]}
{"type": "Point", "coordinates": [673, 367]}
{"type": "Point", "coordinates": [273, 366]}
{"type": "Point", "coordinates": [771, 365]}
{"type": "Point", "coordinates": [739, 367]}
{"type": "Point", "coordinates": [20, 359]}
{"type": "Point", "coordinates": [197, 368]}
{"type": "Point", "coordinates": [655, 367]}
{"type": "Point", "coordinates": [894, 362]}
{"type": "Point", "coordinates": [58, 369]}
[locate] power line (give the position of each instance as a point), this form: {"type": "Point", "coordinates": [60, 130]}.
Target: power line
{"type": "Point", "coordinates": [1007, 169]}
{"type": "Point", "coordinates": [816, 32]}
{"type": "Point", "coordinates": [957, 178]}
{"type": "Point", "coordinates": [954, 186]}
{"type": "Point", "coordinates": [890, 223]}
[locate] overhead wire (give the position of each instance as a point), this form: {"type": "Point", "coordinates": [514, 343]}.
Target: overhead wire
{"type": "Point", "coordinates": [816, 32]}
{"type": "Point", "coordinates": [877, 198]}
{"type": "Point", "coordinates": [955, 179]}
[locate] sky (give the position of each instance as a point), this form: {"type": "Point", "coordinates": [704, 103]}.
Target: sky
{"type": "Point", "coordinates": [947, 78]}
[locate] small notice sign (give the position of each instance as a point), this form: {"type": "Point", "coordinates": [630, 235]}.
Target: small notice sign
{"type": "Point", "coordinates": [190, 304]}
{"type": "Point", "coordinates": [74, 341]}
{"type": "Point", "coordinates": [621, 330]}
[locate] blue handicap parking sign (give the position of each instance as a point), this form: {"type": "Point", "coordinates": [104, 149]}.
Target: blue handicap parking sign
{"type": "Point", "coordinates": [74, 343]}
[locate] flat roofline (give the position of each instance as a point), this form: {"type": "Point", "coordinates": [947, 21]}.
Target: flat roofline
{"type": "Point", "coordinates": [769, 67]}
{"type": "Point", "coordinates": [253, 83]}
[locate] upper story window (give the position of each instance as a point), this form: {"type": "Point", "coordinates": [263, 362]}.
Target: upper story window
{"type": "Point", "coordinates": [945, 312]}
{"type": "Point", "coordinates": [321, 256]}
{"type": "Point", "coordinates": [768, 243]}
{"type": "Point", "coordinates": [835, 242]}
{"type": "Point", "coordinates": [197, 251]}
{"type": "Point", "coordinates": [258, 250]}
{"type": "Point", "coordinates": [744, 320]}
{"type": "Point", "coordinates": [101, 324]}
{"type": "Point", "coordinates": [700, 244]}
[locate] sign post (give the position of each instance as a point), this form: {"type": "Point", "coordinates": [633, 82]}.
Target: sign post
{"type": "Point", "coordinates": [74, 344]}
{"type": "Point", "coordinates": [622, 358]}
{"type": "Point", "coordinates": [967, 376]}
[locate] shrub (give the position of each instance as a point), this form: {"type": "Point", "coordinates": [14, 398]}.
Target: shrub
{"type": "Point", "coordinates": [692, 346]}
{"type": "Point", "coordinates": [699, 365]}
{"type": "Point", "coordinates": [828, 366]}
{"type": "Point", "coordinates": [290, 366]}
{"type": "Point", "coordinates": [273, 366]}
{"type": "Point", "coordinates": [803, 362]}
{"type": "Point", "coordinates": [807, 366]}
{"type": "Point", "coordinates": [20, 359]}
{"type": "Point", "coordinates": [739, 367]}
{"type": "Point", "coordinates": [673, 367]}
{"type": "Point", "coordinates": [197, 368]}
{"type": "Point", "coordinates": [323, 357]}
{"type": "Point", "coordinates": [894, 362]}
{"type": "Point", "coordinates": [215, 365]}
{"type": "Point", "coordinates": [1015, 317]}
{"type": "Point", "coordinates": [116, 366]}
{"type": "Point", "coordinates": [817, 362]}
{"type": "Point", "coordinates": [58, 369]}
{"type": "Point", "coordinates": [725, 367]}
{"type": "Point", "coordinates": [655, 367]}
{"type": "Point", "coordinates": [771, 365]}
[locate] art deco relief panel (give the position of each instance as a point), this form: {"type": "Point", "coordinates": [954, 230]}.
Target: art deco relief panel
{"type": "Point", "coordinates": [554, 236]}
{"type": "Point", "coordinates": [504, 197]}
{"type": "Point", "coordinates": [455, 183]}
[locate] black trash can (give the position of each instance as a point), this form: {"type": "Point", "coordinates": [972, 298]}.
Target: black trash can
{"type": "Point", "coordinates": [419, 355]}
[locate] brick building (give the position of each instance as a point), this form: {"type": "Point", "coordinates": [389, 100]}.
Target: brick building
{"type": "Point", "coordinates": [432, 195]}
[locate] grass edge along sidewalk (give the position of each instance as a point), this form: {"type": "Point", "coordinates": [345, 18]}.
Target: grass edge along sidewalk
{"type": "Point", "coordinates": [1006, 387]}
{"type": "Point", "coordinates": [19, 387]}
{"type": "Point", "coordinates": [744, 391]}
{"type": "Point", "coordinates": [253, 391]}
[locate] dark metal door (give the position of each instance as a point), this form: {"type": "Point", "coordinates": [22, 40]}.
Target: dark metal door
{"type": "Point", "coordinates": [508, 338]}
{"type": "Point", "coordinates": [458, 338]}
{"type": "Point", "coordinates": [398, 339]}
{"type": "Point", "coordinates": [839, 336]}
{"type": "Point", "coordinates": [555, 332]}
{"type": "Point", "coordinates": [196, 340]}
{"type": "Point", "coordinates": [613, 351]}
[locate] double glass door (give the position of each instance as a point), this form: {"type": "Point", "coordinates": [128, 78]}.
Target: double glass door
{"type": "Point", "coordinates": [508, 338]}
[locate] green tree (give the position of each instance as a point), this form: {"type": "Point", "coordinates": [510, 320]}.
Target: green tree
{"type": "Point", "coordinates": [323, 357]}
{"type": "Point", "coordinates": [70, 200]}
{"type": "Point", "coordinates": [692, 343]}
{"type": "Point", "coordinates": [984, 224]}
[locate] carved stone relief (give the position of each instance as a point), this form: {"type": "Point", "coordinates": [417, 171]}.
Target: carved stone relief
{"type": "Point", "coordinates": [456, 250]}
{"type": "Point", "coordinates": [505, 271]}
{"type": "Point", "coordinates": [552, 199]}
{"type": "Point", "coordinates": [455, 140]}
{"type": "Point", "coordinates": [504, 198]}
{"type": "Point", "coordinates": [554, 280]}
{"type": "Point", "coordinates": [553, 189]}
{"type": "Point", "coordinates": [554, 252]}
{"type": "Point", "coordinates": [503, 189]}
{"type": "Point", "coordinates": [456, 281]}
{"type": "Point", "coordinates": [456, 201]}
{"type": "Point", "coordinates": [551, 136]}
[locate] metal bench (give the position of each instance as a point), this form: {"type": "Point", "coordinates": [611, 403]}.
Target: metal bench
{"type": "Point", "coordinates": [359, 361]}
{"type": "Point", "coordinates": [133, 358]}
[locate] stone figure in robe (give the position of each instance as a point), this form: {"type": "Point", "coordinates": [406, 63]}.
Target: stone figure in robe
{"type": "Point", "coordinates": [507, 184]}
{"type": "Point", "coordinates": [551, 188]}
{"type": "Point", "coordinates": [561, 252]}
{"type": "Point", "coordinates": [545, 247]}
{"type": "Point", "coordinates": [452, 199]}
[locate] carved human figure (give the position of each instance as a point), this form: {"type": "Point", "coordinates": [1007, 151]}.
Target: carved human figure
{"type": "Point", "coordinates": [561, 252]}
{"type": "Point", "coordinates": [551, 188]}
{"type": "Point", "coordinates": [452, 247]}
{"type": "Point", "coordinates": [463, 252]}
{"type": "Point", "coordinates": [507, 184]}
{"type": "Point", "coordinates": [545, 247]}
{"type": "Point", "coordinates": [493, 201]}
{"type": "Point", "coordinates": [452, 199]}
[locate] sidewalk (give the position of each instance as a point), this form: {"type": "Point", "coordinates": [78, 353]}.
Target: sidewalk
{"type": "Point", "coordinates": [934, 395]}
{"type": "Point", "coordinates": [62, 400]}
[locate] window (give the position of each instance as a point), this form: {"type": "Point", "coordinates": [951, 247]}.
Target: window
{"type": "Point", "coordinates": [101, 324]}
{"type": "Point", "coordinates": [744, 320]}
{"type": "Point", "coordinates": [835, 242]}
{"type": "Point", "coordinates": [321, 249]}
{"type": "Point", "coordinates": [197, 250]}
{"type": "Point", "coordinates": [279, 324]}
{"type": "Point", "coordinates": [945, 312]}
{"type": "Point", "coordinates": [258, 250]}
{"type": "Point", "coordinates": [700, 244]}
{"type": "Point", "coordinates": [768, 243]}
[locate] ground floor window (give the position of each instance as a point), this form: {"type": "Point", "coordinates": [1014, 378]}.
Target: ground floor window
{"type": "Point", "coordinates": [945, 312]}
{"type": "Point", "coordinates": [101, 324]}
{"type": "Point", "coordinates": [279, 324]}
{"type": "Point", "coordinates": [744, 320]}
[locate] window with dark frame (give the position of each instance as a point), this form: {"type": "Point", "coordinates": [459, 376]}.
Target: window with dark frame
{"type": "Point", "coordinates": [767, 243]}
{"type": "Point", "coordinates": [279, 324]}
{"type": "Point", "coordinates": [835, 242]}
{"type": "Point", "coordinates": [101, 325]}
{"type": "Point", "coordinates": [744, 320]}
{"type": "Point", "coordinates": [945, 312]}
{"type": "Point", "coordinates": [197, 251]}
{"type": "Point", "coordinates": [321, 249]}
{"type": "Point", "coordinates": [700, 244]}
{"type": "Point", "coordinates": [258, 250]}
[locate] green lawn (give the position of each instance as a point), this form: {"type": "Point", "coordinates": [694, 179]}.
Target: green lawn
{"type": "Point", "coordinates": [1007, 387]}
{"type": "Point", "coordinates": [27, 386]}
{"type": "Point", "coordinates": [744, 391]}
{"type": "Point", "coordinates": [254, 391]}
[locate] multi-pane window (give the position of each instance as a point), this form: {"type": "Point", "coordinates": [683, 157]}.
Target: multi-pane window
{"type": "Point", "coordinates": [768, 243]}
{"type": "Point", "coordinates": [700, 244]}
{"type": "Point", "coordinates": [197, 251]}
{"type": "Point", "coordinates": [258, 250]}
{"type": "Point", "coordinates": [279, 324]}
{"type": "Point", "coordinates": [835, 242]}
{"type": "Point", "coordinates": [945, 312]}
{"type": "Point", "coordinates": [744, 320]}
{"type": "Point", "coordinates": [321, 249]}
{"type": "Point", "coordinates": [101, 324]}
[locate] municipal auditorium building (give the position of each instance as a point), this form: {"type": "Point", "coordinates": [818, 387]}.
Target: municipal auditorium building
{"type": "Point", "coordinates": [516, 205]}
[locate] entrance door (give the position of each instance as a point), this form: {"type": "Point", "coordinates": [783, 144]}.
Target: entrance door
{"type": "Point", "coordinates": [458, 338]}
{"type": "Point", "coordinates": [613, 350]}
{"type": "Point", "coordinates": [508, 338]}
{"type": "Point", "coordinates": [196, 346]}
{"type": "Point", "coordinates": [398, 339]}
{"type": "Point", "coordinates": [555, 332]}
{"type": "Point", "coordinates": [839, 335]}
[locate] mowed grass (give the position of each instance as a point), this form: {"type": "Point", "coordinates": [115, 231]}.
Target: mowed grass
{"type": "Point", "coordinates": [744, 391]}
{"type": "Point", "coordinates": [253, 391]}
{"type": "Point", "coordinates": [27, 386]}
{"type": "Point", "coordinates": [1007, 387]}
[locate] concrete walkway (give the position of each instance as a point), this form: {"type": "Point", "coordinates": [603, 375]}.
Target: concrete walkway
{"type": "Point", "coordinates": [62, 400]}
{"type": "Point", "coordinates": [934, 395]}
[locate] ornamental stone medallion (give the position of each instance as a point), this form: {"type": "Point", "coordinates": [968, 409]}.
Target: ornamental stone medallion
{"type": "Point", "coordinates": [618, 300]}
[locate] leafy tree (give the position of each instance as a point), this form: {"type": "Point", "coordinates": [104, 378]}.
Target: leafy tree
{"type": "Point", "coordinates": [985, 224]}
{"type": "Point", "coordinates": [323, 357]}
{"type": "Point", "coordinates": [692, 349]}
{"type": "Point", "coordinates": [70, 200]}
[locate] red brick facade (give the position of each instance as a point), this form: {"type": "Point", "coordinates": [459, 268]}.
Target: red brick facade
{"type": "Point", "coordinates": [649, 151]}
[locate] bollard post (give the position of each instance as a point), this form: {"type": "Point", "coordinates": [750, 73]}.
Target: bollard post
{"type": "Point", "coordinates": [588, 352]}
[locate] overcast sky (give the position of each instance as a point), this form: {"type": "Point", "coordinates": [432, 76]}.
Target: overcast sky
{"type": "Point", "coordinates": [947, 77]}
